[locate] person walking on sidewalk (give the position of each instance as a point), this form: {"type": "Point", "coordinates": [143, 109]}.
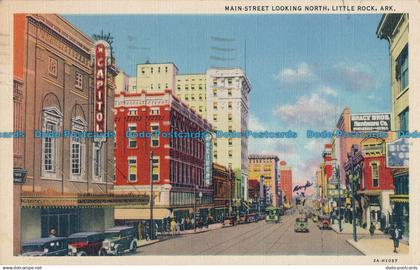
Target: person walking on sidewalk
{"type": "Point", "coordinates": [173, 227]}
{"type": "Point", "coordinates": [372, 229]}
{"type": "Point", "coordinates": [396, 236]}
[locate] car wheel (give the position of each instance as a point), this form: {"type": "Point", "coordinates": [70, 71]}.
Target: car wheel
{"type": "Point", "coordinates": [102, 252]}
{"type": "Point", "coordinates": [134, 247]}
{"type": "Point", "coordinates": [81, 253]}
{"type": "Point", "coordinates": [118, 250]}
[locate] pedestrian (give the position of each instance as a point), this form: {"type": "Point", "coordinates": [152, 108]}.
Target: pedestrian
{"type": "Point", "coordinates": [372, 229]}
{"type": "Point", "coordinates": [173, 227]}
{"type": "Point", "coordinates": [178, 227]}
{"type": "Point", "coordinates": [182, 224]}
{"type": "Point", "coordinates": [52, 232]}
{"type": "Point", "coordinates": [396, 236]}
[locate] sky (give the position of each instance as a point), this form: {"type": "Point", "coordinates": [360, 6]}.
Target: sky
{"type": "Point", "coordinates": [304, 69]}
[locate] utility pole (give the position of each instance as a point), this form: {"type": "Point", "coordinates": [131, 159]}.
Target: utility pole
{"type": "Point", "coordinates": [151, 196]}
{"type": "Point", "coordinates": [339, 198]}
{"type": "Point", "coordinates": [353, 190]}
{"type": "Point", "coordinates": [195, 208]}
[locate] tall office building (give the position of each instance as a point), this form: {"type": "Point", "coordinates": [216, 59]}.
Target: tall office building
{"type": "Point", "coordinates": [191, 88]}
{"type": "Point", "coordinates": [227, 110]}
{"type": "Point", "coordinates": [155, 77]}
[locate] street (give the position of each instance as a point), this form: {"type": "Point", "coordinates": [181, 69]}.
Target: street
{"type": "Point", "coordinates": [255, 239]}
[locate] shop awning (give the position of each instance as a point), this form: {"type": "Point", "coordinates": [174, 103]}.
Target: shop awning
{"type": "Point", "coordinates": [139, 214]}
{"type": "Point", "coordinates": [400, 198]}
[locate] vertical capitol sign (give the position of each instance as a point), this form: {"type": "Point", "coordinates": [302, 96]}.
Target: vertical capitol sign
{"type": "Point", "coordinates": [101, 58]}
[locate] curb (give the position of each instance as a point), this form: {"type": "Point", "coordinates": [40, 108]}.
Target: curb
{"type": "Point", "coordinates": [148, 243]}
{"type": "Point", "coordinates": [349, 241]}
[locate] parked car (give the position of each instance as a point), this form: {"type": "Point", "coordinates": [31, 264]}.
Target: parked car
{"type": "Point", "coordinates": [230, 220]}
{"type": "Point", "coordinates": [49, 246]}
{"type": "Point", "coordinates": [314, 218]}
{"type": "Point", "coordinates": [118, 240]}
{"type": "Point", "coordinates": [301, 224]}
{"type": "Point", "coordinates": [86, 244]}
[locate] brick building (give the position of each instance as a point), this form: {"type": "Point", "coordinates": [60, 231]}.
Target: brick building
{"type": "Point", "coordinates": [223, 189]}
{"type": "Point", "coordinates": [178, 173]}
{"type": "Point", "coordinates": [286, 176]}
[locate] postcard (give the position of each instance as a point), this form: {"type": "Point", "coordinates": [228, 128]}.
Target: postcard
{"type": "Point", "coordinates": [209, 132]}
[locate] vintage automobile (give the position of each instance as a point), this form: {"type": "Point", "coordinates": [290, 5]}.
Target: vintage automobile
{"type": "Point", "coordinates": [118, 240]}
{"type": "Point", "coordinates": [301, 224]}
{"type": "Point", "coordinates": [324, 222]}
{"type": "Point", "coordinates": [86, 244]}
{"type": "Point", "coordinates": [49, 246]}
{"type": "Point", "coordinates": [230, 220]}
{"type": "Point", "coordinates": [272, 214]}
{"type": "Point", "coordinates": [314, 218]}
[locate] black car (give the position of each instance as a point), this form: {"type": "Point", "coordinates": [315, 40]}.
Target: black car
{"type": "Point", "coordinates": [49, 246]}
{"type": "Point", "coordinates": [119, 240]}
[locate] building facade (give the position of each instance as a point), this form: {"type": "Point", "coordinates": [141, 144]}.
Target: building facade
{"type": "Point", "coordinates": [178, 161]}
{"type": "Point", "coordinates": [227, 110]}
{"type": "Point", "coordinates": [156, 77]}
{"type": "Point", "coordinates": [394, 28]}
{"type": "Point", "coordinates": [69, 181]}
{"type": "Point", "coordinates": [191, 88]}
{"type": "Point", "coordinates": [266, 166]}
{"type": "Point", "coordinates": [223, 184]}
{"type": "Point", "coordinates": [286, 179]}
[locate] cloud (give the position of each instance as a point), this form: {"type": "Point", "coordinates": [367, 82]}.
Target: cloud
{"type": "Point", "coordinates": [328, 91]}
{"type": "Point", "coordinates": [255, 124]}
{"type": "Point", "coordinates": [301, 75]}
{"type": "Point", "coordinates": [353, 77]}
{"type": "Point", "coordinates": [311, 110]}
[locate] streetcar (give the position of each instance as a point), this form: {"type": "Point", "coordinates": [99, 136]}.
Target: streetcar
{"type": "Point", "coordinates": [272, 214]}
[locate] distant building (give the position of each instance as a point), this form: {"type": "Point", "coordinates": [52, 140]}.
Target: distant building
{"type": "Point", "coordinates": [156, 77]}
{"type": "Point", "coordinates": [286, 179]}
{"type": "Point", "coordinates": [191, 88]}
{"type": "Point", "coordinates": [265, 166]}
{"type": "Point", "coordinates": [223, 184]}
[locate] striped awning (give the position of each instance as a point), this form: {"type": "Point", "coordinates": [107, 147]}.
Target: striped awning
{"type": "Point", "coordinates": [400, 198]}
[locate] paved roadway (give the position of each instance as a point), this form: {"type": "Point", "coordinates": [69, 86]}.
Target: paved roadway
{"type": "Point", "coordinates": [255, 239]}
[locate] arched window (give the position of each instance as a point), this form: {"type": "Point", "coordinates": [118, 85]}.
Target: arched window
{"type": "Point", "coordinates": [78, 149]}
{"type": "Point", "coordinates": [51, 126]}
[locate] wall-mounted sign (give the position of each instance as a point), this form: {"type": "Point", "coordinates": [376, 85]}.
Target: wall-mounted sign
{"type": "Point", "coordinates": [208, 159]}
{"type": "Point", "coordinates": [397, 154]}
{"type": "Point", "coordinates": [370, 122]}
{"type": "Point", "coordinates": [101, 57]}
{"type": "Point", "coordinates": [19, 175]}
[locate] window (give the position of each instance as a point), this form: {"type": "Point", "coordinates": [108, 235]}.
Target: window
{"type": "Point", "coordinates": [230, 117]}
{"type": "Point", "coordinates": [49, 148]}
{"type": "Point", "coordinates": [156, 168]}
{"type": "Point", "coordinates": [52, 66]}
{"type": "Point", "coordinates": [166, 85]}
{"type": "Point", "coordinates": [178, 87]}
{"type": "Point", "coordinates": [151, 70]}
{"type": "Point", "coordinates": [132, 111]}
{"type": "Point", "coordinates": [132, 142]}
{"type": "Point", "coordinates": [76, 156]}
{"type": "Point", "coordinates": [230, 105]}
{"type": "Point", "coordinates": [158, 85]}
{"type": "Point", "coordinates": [229, 92]}
{"type": "Point", "coordinates": [402, 68]}
{"type": "Point", "coordinates": [50, 123]}
{"type": "Point", "coordinates": [230, 142]}
{"type": "Point", "coordinates": [97, 160]}
{"type": "Point", "coordinates": [200, 86]}
{"type": "Point", "coordinates": [200, 109]}
{"type": "Point", "coordinates": [192, 97]}
{"type": "Point", "coordinates": [166, 69]}
{"type": "Point", "coordinates": [215, 105]}
{"type": "Point", "coordinates": [186, 97]}
{"type": "Point", "coordinates": [77, 149]}
{"type": "Point", "coordinates": [142, 70]}
{"type": "Point", "coordinates": [230, 81]}
{"type": "Point", "coordinates": [192, 87]}
{"type": "Point", "coordinates": [200, 96]}
{"type": "Point", "coordinates": [214, 81]}
{"type": "Point", "coordinates": [132, 169]}
{"type": "Point", "coordinates": [158, 69]}
{"type": "Point", "coordinates": [154, 128]}
{"type": "Point", "coordinates": [215, 154]}
{"type": "Point", "coordinates": [78, 80]}
{"type": "Point", "coordinates": [230, 153]}
{"type": "Point", "coordinates": [214, 117]}
{"type": "Point", "coordinates": [154, 111]}
{"type": "Point", "coordinates": [186, 87]}
{"type": "Point", "coordinates": [214, 92]}
{"type": "Point", "coordinates": [375, 174]}
{"type": "Point", "coordinates": [403, 116]}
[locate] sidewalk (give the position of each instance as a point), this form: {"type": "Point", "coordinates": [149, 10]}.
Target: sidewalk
{"type": "Point", "coordinates": [377, 246]}
{"type": "Point", "coordinates": [347, 228]}
{"type": "Point", "coordinates": [143, 243]}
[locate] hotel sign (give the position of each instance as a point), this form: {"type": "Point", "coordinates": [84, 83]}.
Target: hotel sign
{"type": "Point", "coordinates": [101, 57]}
{"type": "Point", "coordinates": [370, 122]}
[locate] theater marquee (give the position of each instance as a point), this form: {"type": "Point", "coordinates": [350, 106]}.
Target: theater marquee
{"type": "Point", "coordinates": [101, 57]}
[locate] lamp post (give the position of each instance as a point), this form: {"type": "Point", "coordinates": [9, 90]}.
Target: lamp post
{"type": "Point", "coordinates": [353, 178]}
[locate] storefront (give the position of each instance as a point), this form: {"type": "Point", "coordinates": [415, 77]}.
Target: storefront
{"type": "Point", "coordinates": [400, 203]}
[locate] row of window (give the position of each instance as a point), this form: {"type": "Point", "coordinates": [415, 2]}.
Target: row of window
{"type": "Point", "coordinates": [152, 70]}
{"type": "Point", "coordinates": [53, 71]}
{"type": "Point", "coordinates": [133, 169]}
{"type": "Point", "coordinates": [229, 117]}
{"type": "Point", "coordinates": [182, 173]}
{"type": "Point", "coordinates": [187, 97]}
{"type": "Point", "coordinates": [216, 105]}
{"type": "Point", "coordinates": [222, 81]}
{"type": "Point", "coordinates": [135, 111]}
{"type": "Point", "coordinates": [229, 92]}
{"type": "Point", "coordinates": [187, 87]}
{"type": "Point", "coordinates": [52, 124]}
